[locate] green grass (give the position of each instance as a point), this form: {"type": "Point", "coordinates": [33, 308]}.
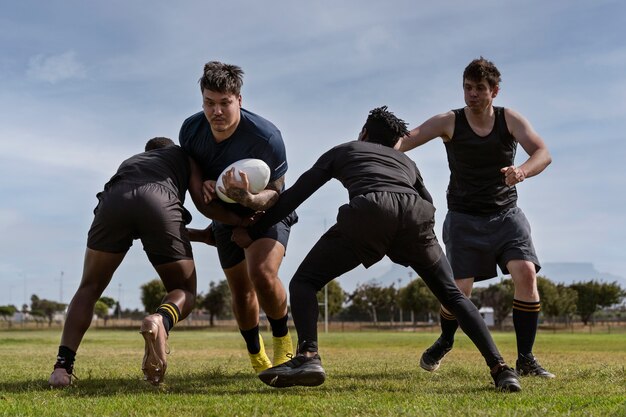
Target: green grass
{"type": "Point", "coordinates": [368, 374]}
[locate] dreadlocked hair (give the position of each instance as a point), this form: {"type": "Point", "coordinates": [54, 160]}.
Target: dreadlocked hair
{"type": "Point", "coordinates": [384, 127]}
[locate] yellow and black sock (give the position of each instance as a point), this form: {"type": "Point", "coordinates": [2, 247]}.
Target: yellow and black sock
{"type": "Point", "coordinates": [525, 321]}
{"type": "Point", "coordinates": [252, 339]}
{"type": "Point", "coordinates": [279, 326]}
{"type": "Point", "coordinates": [171, 315]}
{"type": "Point", "coordinates": [448, 326]}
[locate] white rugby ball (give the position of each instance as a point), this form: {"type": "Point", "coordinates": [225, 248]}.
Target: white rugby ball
{"type": "Point", "coordinates": [258, 176]}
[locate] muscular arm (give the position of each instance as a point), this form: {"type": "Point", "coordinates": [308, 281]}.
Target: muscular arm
{"type": "Point", "coordinates": [441, 125]}
{"type": "Point", "coordinates": [532, 143]}
{"type": "Point", "coordinates": [304, 187]}
{"type": "Point", "coordinates": [262, 201]}
{"type": "Point", "coordinates": [208, 207]}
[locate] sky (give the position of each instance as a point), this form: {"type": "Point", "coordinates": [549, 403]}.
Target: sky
{"type": "Point", "coordinates": [83, 85]}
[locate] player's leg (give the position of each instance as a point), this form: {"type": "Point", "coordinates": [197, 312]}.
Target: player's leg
{"type": "Point", "coordinates": [526, 309]}
{"type": "Point", "coordinates": [517, 256]}
{"type": "Point", "coordinates": [245, 307]}
{"type": "Point", "coordinates": [432, 357]}
{"type": "Point", "coordinates": [179, 279]}
{"type": "Point", "coordinates": [98, 270]}
{"type": "Point", "coordinates": [263, 258]}
{"type": "Point", "coordinates": [331, 257]}
{"type": "Point", "coordinates": [439, 279]}
{"type": "Point", "coordinates": [244, 300]}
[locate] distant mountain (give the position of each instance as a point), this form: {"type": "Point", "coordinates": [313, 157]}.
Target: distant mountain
{"type": "Point", "coordinates": [570, 272]}
{"type": "Point", "coordinates": [567, 273]}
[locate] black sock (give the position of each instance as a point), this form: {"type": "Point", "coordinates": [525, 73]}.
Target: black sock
{"type": "Point", "coordinates": [252, 339]}
{"type": "Point", "coordinates": [448, 326]}
{"type": "Point", "coordinates": [279, 327]}
{"type": "Point", "coordinates": [65, 359]}
{"type": "Point", "coordinates": [525, 321]}
{"type": "Point", "coordinates": [170, 313]}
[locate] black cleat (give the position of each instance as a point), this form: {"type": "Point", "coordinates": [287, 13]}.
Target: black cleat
{"type": "Point", "coordinates": [528, 366]}
{"type": "Point", "coordinates": [505, 379]}
{"type": "Point", "coordinates": [431, 358]}
{"type": "Point", "coordinates": [300, 370]}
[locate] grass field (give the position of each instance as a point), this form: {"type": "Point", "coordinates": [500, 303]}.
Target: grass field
{"type": "Point", "coordinates": [368, 374]}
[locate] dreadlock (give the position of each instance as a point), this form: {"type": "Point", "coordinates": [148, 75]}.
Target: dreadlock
{"type": "Point", "coordinates": [384, 127]}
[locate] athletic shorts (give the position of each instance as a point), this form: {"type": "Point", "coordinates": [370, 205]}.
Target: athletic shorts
{"type": "Point", "coordinates": [397, 225]}
{"type": "Point", "coordinates": [150, 212]}
{"type": "Point", "coordinates": [230, 254]}
{"type": "Point", "coordinates": [476, 244]}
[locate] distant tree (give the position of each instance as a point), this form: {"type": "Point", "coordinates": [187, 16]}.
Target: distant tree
{"type": "Point", "coordinates": [373, 298]}
{"type": "Point", "coordinates": [108, 301]}
{"type": "Point", "coordinates": [418, 299]}
{"type": "Point", "coordinates": [557, 301]}
{"type": "Point", "coordinates": [118, 310]}
{"type": "Point", "coordinates": [217, 301]}
{"type": "Point", "coordinates": [500, 297]}
{"type": "Point", "coordinates": [593, 295]}
{"type": "Point", "coordinates": [152, 294]}
{"type": "Point", "coordinates": [7, 311]}
{"type": "Point", "coordinates": [101, 310]}
{"type": "Point", "coordinates": [45, 308]}
{"type": "Point", "coordinates": [336, 297]}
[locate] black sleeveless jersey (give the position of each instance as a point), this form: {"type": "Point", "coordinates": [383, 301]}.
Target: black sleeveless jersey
{"type": "Point", "coordinates": [476, 184]}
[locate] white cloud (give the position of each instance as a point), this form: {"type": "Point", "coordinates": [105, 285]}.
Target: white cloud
{"type": "Point", "coordinates": [55, 68]}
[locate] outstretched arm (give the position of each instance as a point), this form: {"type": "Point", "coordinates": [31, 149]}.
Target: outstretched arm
{"type": "Point", "coordinates": [441, 125]}
{"type": "Point", "coordinates": [532, 143]}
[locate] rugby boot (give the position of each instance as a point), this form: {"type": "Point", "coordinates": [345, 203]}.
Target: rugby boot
{"type": "Point", "coordinates": [260, 361]}
{"type": "Point", "coordinates": [505, 378]}
{"type": "Point", "coordinates": [431, 358]}
{"type": "Point", "coordinates": [154, 362]}
{"type": "Point", "coordinates": [283, 349]}
{"type": "Point", "coordinates": [527, 365]}
{"type": "Point", "coordinates": [300, 370]}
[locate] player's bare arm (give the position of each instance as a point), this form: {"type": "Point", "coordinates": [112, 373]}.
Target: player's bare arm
{"type": "Point", "coordinates": [239, 191]}
{"type": "Point", "coordinates": [441, 125]}
{"type": "Point", "coordinates": [209, 207]}
{"type": "Point", "coordinates": [533, 145]}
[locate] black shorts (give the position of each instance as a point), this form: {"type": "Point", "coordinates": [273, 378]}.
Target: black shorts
{"type": "Point", "coordinates": [393, 224]}
{"type": "Point", "coordinates": [149, 212]}
{"type": "Point", "coordinates": [230, 254]}
{"type": "Point", "coordinates": [476, 244]}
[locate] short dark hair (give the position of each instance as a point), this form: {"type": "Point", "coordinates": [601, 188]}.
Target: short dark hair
{"type": "Point", "coordinates": [158, 142]}
{"type": "Point", "coordinates": [384, 127]}
{"type": "Point", "coordinates": [482, 69]}
{"type": "Point", "coordinates": [222, 78]}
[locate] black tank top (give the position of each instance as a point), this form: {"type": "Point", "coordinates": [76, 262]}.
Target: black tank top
{"type": "Point", "coordinates": [476, 184]}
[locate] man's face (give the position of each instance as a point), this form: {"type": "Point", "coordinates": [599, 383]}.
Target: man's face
{"type": "Point", "coordinates": [222, 110]}
{"type": "Point", "coordinates": [478, 94]}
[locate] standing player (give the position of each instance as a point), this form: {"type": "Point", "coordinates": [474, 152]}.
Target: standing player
{"type": "Point", "coordinates": [221, 134]}
{"type": "Point", "coordinates": [143, 200]}
{"type": "Point", "coordinates": [390, 213]}
{"type": "Point", "coordinates": [484, 227]}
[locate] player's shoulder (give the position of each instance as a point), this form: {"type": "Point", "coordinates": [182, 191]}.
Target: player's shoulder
{"type": "Point", "coordinates": [194, 120]}
{"type": "Point", "coordinates": [259, 125]}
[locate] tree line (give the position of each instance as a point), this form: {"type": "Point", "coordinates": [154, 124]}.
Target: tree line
{"type": "Point", "coordinates": [372, 301]}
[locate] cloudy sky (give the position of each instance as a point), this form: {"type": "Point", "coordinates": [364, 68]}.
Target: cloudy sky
{"type": "Point", "coordinates": [83, 85]}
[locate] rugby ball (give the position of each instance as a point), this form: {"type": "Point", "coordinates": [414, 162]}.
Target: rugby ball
{"type": "Point", "coordinates": [258, 175]}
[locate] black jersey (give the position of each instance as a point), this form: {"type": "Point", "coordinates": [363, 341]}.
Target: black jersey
{"type": "Point", "coordinates": [168, 166]}
{"type": "Point", "coordinates": [476, 184]}
{"type": "Point", "coordinates": [362, 168]}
